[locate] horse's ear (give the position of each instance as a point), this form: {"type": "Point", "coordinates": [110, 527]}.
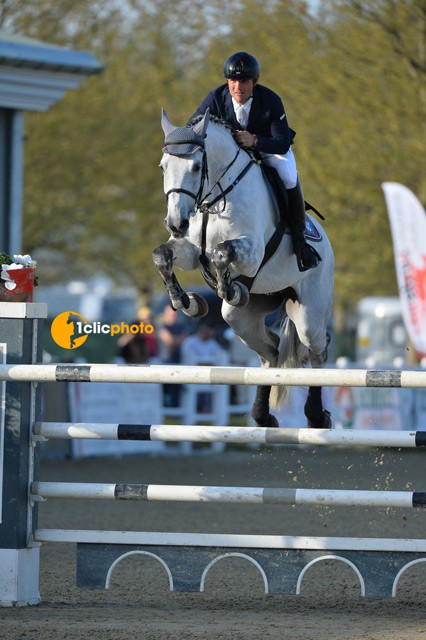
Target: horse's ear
{"type": "Point", "coordinates": [201, 127]}
{"type": "Point", "coordinates": [166, 124]}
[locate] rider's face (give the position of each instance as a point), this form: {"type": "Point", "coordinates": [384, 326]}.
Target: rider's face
{"type": "Point", "coordinates": [241, 90]}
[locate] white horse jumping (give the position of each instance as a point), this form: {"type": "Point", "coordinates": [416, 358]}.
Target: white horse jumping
{"type": "Point", "coordinates": [221, 215]}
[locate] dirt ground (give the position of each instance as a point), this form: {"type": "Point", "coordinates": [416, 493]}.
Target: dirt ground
{"type": "Point", "coordinates": [233, 607]}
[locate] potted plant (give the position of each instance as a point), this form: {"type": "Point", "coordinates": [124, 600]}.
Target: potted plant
{"type": "Point", "coordinates": [17, 278]}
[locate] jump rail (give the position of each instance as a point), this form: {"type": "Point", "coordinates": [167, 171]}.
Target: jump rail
{"type": "Point", "coordinates": [230, 435]}
{"type": "Point", "coordinates": [90, 536]}
{"type": "Point", "coordinates": [242, 495]}
{"type": "Point", "coordinates": [165, 374]}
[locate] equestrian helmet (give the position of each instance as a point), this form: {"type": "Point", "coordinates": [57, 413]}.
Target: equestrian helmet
{"type": "Point", "coordinates": [241, 66]}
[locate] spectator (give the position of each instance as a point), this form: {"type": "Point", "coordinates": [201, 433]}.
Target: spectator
{"type": "Point", "coordinates": [202, 345]}
{"type": "Point", "coordinates": [133, 347]}
{"type": "Point", "coordinates": [145, 316]}
{"type": "Point", "coordinates": [202, 348]}
{"type": "Point", "coordinates": [171, 335]}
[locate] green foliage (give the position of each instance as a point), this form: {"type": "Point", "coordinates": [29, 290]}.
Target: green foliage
{"type": "Point", "coordinates": [5, 258]}
{"type": "Point", "coordinates": [352, 78]}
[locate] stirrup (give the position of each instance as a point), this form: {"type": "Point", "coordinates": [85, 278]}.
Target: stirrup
{"type": "Point", "coordinates": [307, 257]}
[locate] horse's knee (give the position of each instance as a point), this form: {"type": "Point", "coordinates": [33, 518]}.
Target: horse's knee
{"type": "Point", "coordinates": [223, 254]}
{"type": "Point", "coordinates": [163, 258]}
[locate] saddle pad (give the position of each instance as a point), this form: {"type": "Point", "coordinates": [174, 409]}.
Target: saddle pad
{"type": "Point", "coordinates": [311, 232]}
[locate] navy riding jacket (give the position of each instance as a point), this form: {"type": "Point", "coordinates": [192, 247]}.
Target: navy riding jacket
{"type": "Point", "coordinates": [267, 118]}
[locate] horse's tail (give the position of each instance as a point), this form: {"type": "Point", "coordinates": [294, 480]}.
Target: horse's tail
{"type": "Point", "coordinates": [290, 356]}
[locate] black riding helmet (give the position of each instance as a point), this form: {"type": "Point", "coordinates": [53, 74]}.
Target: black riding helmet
{"type": "Point", "coordinates": [241, 66]}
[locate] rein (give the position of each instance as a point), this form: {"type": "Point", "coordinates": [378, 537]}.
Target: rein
{"type": "Point", "coordinates": [204, 207]}
{"type": "Point", "coordinates": [200, 203]}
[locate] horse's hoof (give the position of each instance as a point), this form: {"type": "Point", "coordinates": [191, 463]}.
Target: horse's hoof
{"type": "Point", "coordinates": [179, 300]}
{"type": "Point", "coordinates": [238, 295]}
{"type": "Point", "coordinates": [268, 423]}
{"type": "Point", "coordinates": [326, 422]}
{"type": "Point", "coordinates": [198, 307]}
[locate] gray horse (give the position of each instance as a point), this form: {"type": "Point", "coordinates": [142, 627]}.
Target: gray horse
{"type": "Point", "coordinates": [221, 215]}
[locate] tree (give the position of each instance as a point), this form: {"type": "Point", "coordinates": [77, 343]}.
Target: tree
{"type": "Point", "coordinates": [375, 117]}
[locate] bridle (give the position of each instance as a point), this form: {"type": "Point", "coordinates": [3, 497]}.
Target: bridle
{"type": "Point", "coordinates": [199, 198]}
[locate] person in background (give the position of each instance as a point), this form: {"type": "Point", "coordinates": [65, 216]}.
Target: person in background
{"type": "Point", "coordinates": [145, 316]}
{"type": "Point", "coordinates": [202, 344]}
{"type": "Point", "coordinates": [141, 346]}
{"type": "Point", "coordinates": [171, 334]}
{"type": "Point", "coordinates": [133, 347]}
{"type": "Point", "coordinates": [202, 348]}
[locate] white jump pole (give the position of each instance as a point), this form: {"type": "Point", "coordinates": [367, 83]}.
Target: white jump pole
{"type": "Point", "coordinates": [230, 435]}
{"type": "Point", "coordinates": [166, 374]}
{"type": "Point", "coordinates": [242, 495]}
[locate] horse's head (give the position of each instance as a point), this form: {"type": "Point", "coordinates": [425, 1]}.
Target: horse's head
{"type": "Point", "coordinates": [184, 167]}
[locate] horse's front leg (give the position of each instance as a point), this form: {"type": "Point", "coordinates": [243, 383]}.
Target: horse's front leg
{"type": "Point", "coordinates": [234, 293]}
{"type": "Point", "coordinates": [165, 256]}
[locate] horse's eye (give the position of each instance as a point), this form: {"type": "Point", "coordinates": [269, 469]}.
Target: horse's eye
{"type": "Point", "coordinates": [196, 167]}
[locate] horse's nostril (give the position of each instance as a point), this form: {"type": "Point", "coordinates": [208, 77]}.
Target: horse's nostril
{"type": "Point", "coordinates": [179, 232]}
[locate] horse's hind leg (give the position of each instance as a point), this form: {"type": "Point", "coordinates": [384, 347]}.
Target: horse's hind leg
{"type": "Point", "coordinates": [249, 325]}
{"type": "Point", "coordinates": [317, 416]}
{"type": "Point", "coordinates": [260, 410]}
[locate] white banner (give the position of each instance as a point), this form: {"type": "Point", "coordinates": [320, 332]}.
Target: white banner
{"type": "Point", "coordinates": [408, 224]}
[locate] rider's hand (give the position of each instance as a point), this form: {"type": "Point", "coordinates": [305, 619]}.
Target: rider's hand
{"type": "Point", "coordinates": [245, 139]}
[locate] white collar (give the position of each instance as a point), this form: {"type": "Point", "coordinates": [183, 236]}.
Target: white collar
{"type": "Point", "coordinates": [246, 106]}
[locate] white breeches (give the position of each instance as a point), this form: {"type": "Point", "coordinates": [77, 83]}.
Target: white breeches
{"type": "Point", "coordinates": [285, 165]}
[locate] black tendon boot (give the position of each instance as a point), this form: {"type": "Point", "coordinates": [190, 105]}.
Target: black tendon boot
{"type": "Point", "coordinates": [307, 257]}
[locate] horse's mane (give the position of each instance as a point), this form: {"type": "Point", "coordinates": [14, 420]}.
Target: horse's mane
{"type": "Point", "coordinates": [215, 120]}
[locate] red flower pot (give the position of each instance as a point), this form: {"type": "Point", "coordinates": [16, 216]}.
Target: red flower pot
{"type": "Point", "coordinates": [23, 292]}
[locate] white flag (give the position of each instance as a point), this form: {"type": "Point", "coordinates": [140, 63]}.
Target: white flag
{"type": "Point", "coordinates": [408, 224]}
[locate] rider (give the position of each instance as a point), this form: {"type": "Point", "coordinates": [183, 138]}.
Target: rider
{"type": "Point", "coordinates": [258, 114]}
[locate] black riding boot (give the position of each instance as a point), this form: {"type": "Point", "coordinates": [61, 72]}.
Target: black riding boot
{"type": "Point", "coordinates": [307, 257]}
